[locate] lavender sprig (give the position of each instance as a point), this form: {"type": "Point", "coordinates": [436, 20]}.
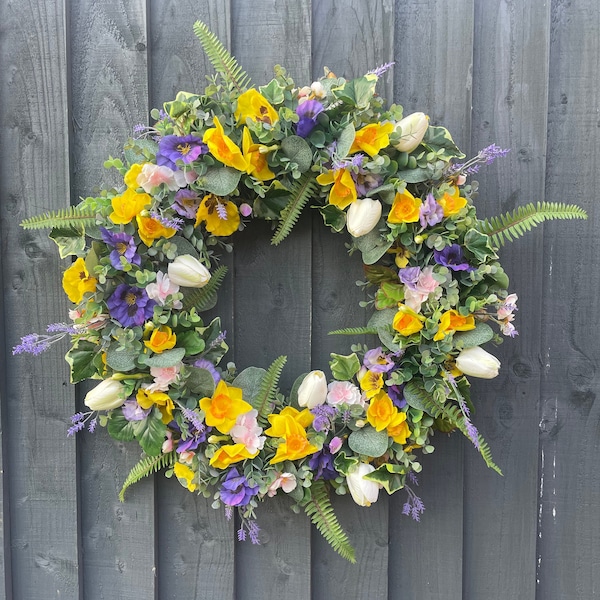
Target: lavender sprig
{"type": "Point", "coordinates": [379, 71]}
{"type": "Point", "coordinates": [413, 506]}
{"type": "Point", "coordinates": [171, 222]}
{"type": "Point", "coordinates": [79, 421]}
{"type": "Point", "coordinates": [484, 157]}
{"type": "Point", "coordinates": [36, 343]}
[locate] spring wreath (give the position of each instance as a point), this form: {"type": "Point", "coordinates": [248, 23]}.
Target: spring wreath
{"type": "Point", "coordinates": [146, 269]}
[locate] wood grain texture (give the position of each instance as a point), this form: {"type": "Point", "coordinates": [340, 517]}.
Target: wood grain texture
{"type": "Point", "coordinates": [509, 108]}
{"type": "Point", "coordinates": [110, 95]}
{"type": "Point", "coordinates": [569, 527]}
{"type": "Point", "coordinates": [40, 464]}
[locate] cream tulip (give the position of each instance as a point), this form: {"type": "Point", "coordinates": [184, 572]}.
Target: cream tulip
{"type": "Point", "coordinates": [478, 363]}
{"type": "Point", "coordinates": [188, 271]}
{"type": "Point", "coordinates": [106, 395]}
{"type": "Point", "coordinates": [362, 216]}
{"type": "Point", "coordinates": [412, 130]}
{"type": "Point", "coordinates": [313, 390]}
{"type": "Point", "coordinates": [363, 491]}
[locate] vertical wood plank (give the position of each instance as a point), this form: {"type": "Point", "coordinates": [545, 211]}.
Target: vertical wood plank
{"type": "Point", "coordinates": [39, 462]}
{"type": "Point", "coordinates": [110, 95]}
{"type": "Point", "coordinates": [273, 299]}
{"type": "Point", "coordinates": [5, 567]}
{"type": "Point", "coordinates": [195, 542]}
{"type": "Point", "coordinates": [568, 550]}
{"type": "Point", "coordinates": [350, 38]}
{"type": "Point", "coordinates": [433, 53]}
{"type": "Point", "coordinates": [509, 108]}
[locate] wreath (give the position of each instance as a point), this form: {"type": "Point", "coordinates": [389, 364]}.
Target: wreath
{"type": "Point", "coordinates": [147, 268]}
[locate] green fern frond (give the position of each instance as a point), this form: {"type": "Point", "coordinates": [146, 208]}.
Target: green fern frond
{"type": "Point", "coordinates": [512, 225]}
{"type": "Point", "coordinates": [263, 401]}
{"type": "Point", "coordinates": [220, 58]}
{"type": "Point", "coordinates": [62, 218]}
{"type": "Point", "coordinates": [320, 511]}
{"type": "Point", "coordinates": [354, 331]}
{"type": "Point", "coordinates": [147, 466]}
{"type": "Point", "coordinates": [302, 190]}
{"type": "Point", "coordinates": [204, 298]}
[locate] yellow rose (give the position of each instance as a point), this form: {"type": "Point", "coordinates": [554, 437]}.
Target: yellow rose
{"type": "Point", "coordinates": [161, 339]}
{"type": "Point", "coordinates": [407, 321]}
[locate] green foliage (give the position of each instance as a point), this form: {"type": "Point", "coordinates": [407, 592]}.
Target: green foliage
{"type": "Point", "coordinates": [343, 368]}
{"type": "Point", "coordinates": [63, 218]}
{"type": "Point", "coordinates": [512, 225]}
{"type": "Point", "coordinates": [320, 511]}
{"type": "Point", "coordinates": [145, 467]}
{"type": "Point", "coordinates": [369, 441]}
{"type": "Point", "coordinates": [220, 58]}
{"type": "Point", "coordinates": [205, 298]}
{"type": "Point", "coordinates": [354, 331]}
{"type": "Point", "coordinates": [267, 392]}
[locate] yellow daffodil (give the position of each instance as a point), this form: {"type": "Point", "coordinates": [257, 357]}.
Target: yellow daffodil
{"type": "Point", "coordinates": [253, 105]}
{"type": "Point", "coordinates": [407, 321]}
{"type": "Point", "coordinates": [452, 321]}
{"type": "Point", "coordinates": [230, 454]}
{"type": "Point", "coordinates": [343, 192]}
{"type": "Point", "coordinates": [290, 425]}
{"type": "Point", "coordinates": [257, 161]}
{"type": "Point", "coordinates": [161, 339]}
{"type": "Point", "coordinates": [452, 202]}
{"type": "Point", "coordinates": [77, 281]}
{"type": "Point", "coordinates": [405, 209]}
{"type": "Point", "coordinates": [370, 383]}
{"type": "Point", "coordinates": [372, 138]}
{"type": "Point", "coordinates": [381, 411]}
{"type": "Point", "coordinates": [127, 206]}
{"type": "Point", "coordinates": [150, 229]}
{"type": "Point", "coordinates": [224, 407]}
{"type": "Point", "coordinates": [185, 474]}
{"type": "Point", "coordinates": [280, 421]}
{"type": "Point", "coordinates": [398, 428]}
{"type": "Point", "coordinates": [148, 399]}
{"type": "Point", "coordinates": [220, 215]}
{"type": "Point", "coordinates": [132, 175]}
{"type": "Point", "coordinates": [223, 148]}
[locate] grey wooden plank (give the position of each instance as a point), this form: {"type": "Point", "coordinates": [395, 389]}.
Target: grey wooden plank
{"type": "Point", "coordinates": [569, 528]}
{"type": "Point", "coordinates": [39, 463]}
{"type": "Point", "coordinates": [273, 299]}
{"type": "Point", "coordinates": [433, 53]}
{"type": "Point", "coordinates": [350, 38]}
{"type": "Point", "coordinates": [110, 95]}
{"type": "Point", "coordinates": [5, 563]}
{"type": "Point", "coordinates": [195, 542]}
{"type": "Point", "coordinates": [509, 108]}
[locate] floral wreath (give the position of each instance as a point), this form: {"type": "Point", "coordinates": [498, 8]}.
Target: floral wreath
{"type": "Point", "coordinates": [146, 269]}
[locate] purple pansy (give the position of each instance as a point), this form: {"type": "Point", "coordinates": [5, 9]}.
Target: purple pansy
{"type": "Point", "coordinates": [187, 203]}
{"type": "Point", "coordinates": [236, 491]}
{"type": "Point", "coordinates": [324, 416]}
{"type": "Point", "coordinates": [130, 305]}
{"type": "Point", "coordinates": [174, 147]}
{"type": "Point", "coordinates": [203, 363]}
{"type": "Point", "coordinates": [132, 411]}
{"type": "Point", "coordinates": [452, 257]}
{"type": "Point", "coordinates": [308, 112]}
{"type": "Point", "coordinates": [123, 245]}
{"type": "Point", "coordinates": [321, 463]}
{"type": "Point", "coordinates": [396, 394]}
{"type": "Point", "coordinates": [409, 276]}
{"type": "Point", "coordinates": [377, 361]}
{"type": "Point", "coordinates": [431, 213]}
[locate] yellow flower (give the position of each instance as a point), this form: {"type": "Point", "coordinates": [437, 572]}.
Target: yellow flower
{"type": "Point", "coordinates": [224, 407]}
{"type": "Point", "coordinates": [251, 104]}
{"type": "Point", "coordinates": [405, 208]}
{"type": "Point", "coordinates": [77, 281]}
{"type": "Point", "coordinates": [257, 161]}
{"type": "Point", "coordinates": [161, 339]}
{"type": "Point", "coordinates": [343, 192]}
{"type": "Point", "coordinates": [132, 175]}
{"type": "Point", "coordinates": [229, 454]}
{"type": "Point", "coordinates": [407, 321]}
{"type": "Point", "coordinates": [290, 425]}
{"type": "Point", "coordinates": [223, 148]}
{"type": "Point", "coordinates": [452, 202]}
{"type": "Point", "coordinates": [221, 216]}
{"type": "Point", "coordinates": [148, 399]}
{"type": "Point", "coordinates": [452, 321]}
{"type": "Point", "coordinates": [372, 138]}
{"type": "Point", "coordinates": [150, 229]}
{"type": "Point", "coordinates": [127, 206]}
{"type": "Point", "coordinates": [371, 383]}
{"type": "Point", "coordinates": [398, 428]}
{"type": "Point", "coordinates": [288, 417]}
{"type": "Point", "coordinates": [381, 411]}
{"type": "Point", "coordinates": [183, 472]}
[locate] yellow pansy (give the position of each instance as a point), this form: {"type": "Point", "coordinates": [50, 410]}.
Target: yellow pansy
{"type": "Point", "coordinates": [343, 192]}
{"type": "Point", "coordinates": [257, 161]}
{"type": "Point", "coordinates": [405, 209]}
{"type": "Point", "coordinates": [161, 339]}
{"type": "Point", "coordinates": [452, 202]}
{"type": "Point", "coordinates": [230, 454]}
{"type": "Point", "coordinates": [184, 473]}
{"type": "Point", "coordinates": [77, 281]}
{"type": "Point", "coordinates": [381, 411]}
{"type": "Point", "coordinates": [221, 216]}
{"type": "Point", "coordinates": [370, 383]}
{"type": "Point", "coordinates": [372, 138]}
{"type": "Point", "coordinates": [132, 175]}
{"type": "Point", "coordinates": [224, 407]}
{"type": "Point", "coordinates": [150, 229]}
{"type": "Point", "coordinates": [253, 105]}
{"type": "Point", "coordinates": [127, 206]}
{"type": "Point", "coordinates": [148, 399]}
{"type": "Point", "coordinates": [223, 148]}
{"type": "Point", "coordinates": [452, 321]}
{"type": "Point", "coordinates": [407, 321]}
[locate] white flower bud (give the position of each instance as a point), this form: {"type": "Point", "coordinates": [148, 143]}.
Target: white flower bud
{"type": "Point", "coordinates": [106, 395]}
{"type": "Point", "coordinates": [313, 390]}
{"type": "Point", "coordinates": [364, 492]}
{"type": "Point", "coordinates": [478, 363]}
{"type": "Point", "coordinates": [188, 271]}
{"type": "Point", "coordinates": [362, 216]}
{"type": "Point", "coordinates": [412, 130]}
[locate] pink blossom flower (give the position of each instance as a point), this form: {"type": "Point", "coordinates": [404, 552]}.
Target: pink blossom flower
{"type": "Point", "coordinates": [163, 378]}
{"type": "Point", "coordinates": [507, 307]}
{"type": "Point", "coordinates": [184, 178]}
{"type": "Point", "coordinates": [426, 284]}
{"type": "Point", "coordinates": [163, 288]}
{"type": "Point", "coordinates": [186, 457]}
{"type": "Point", "coordinates": [168, 443]}
{"type": "Point", "coordinates": [153, 176]}
{"type": "Point", "coordinates": [335, 444]}
{"type": "Point", "coordinates": [343, 392]}
{"type": "Point", "coordinates": [285, 481]}
{"type": "Point", "coordinates": [246, 431]}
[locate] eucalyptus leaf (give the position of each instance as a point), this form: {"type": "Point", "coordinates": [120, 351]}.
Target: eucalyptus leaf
{"type": "Point", "coordinates": [200, 382]}
{"type": "Point", "coordinates": [475, 337]}
{"type": "Point", "coordinates": [219, 180]}
{"type": "Point", "coordinates": [372, 246]}
{"type": "Point", "coordinates": [414, 175]}
{"type": "Point", "coordinates": [298, 151]}
{"type": "Point", "coordinates": [121, 359]}
{"type": "Point", "coordinates": [369, 441]}
{"type": "Point", "coordinates": [249, 381]}
{"type": "Point", "coordinates": [168, 358]}
{"type": "Point", "coordinates": [345, 141]}
{"type": "Point", "coordinates": [183, 246]}
{"type": "Point", "coordinates": [382, 321]}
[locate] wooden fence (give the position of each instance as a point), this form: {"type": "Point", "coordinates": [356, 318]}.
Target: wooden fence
{"type": "Point", "coordinates": [77, 76]}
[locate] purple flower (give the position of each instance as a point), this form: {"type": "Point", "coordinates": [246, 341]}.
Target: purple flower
{"type": "Point", "coordinates": [308, 112]}
{"type": "Point", "coordinates": [130, 305]}
{"type": "Point", "coordinates": [173, 147]}
{"type": "Point", "coordinates": [452, 257]}
{"type": "Point", "coordinates": [122, 244]}
{"type": "Point", "coordinates": [132, 411]}
{"type": "Point", "coordinates": [365, 181]}
{"type": "Point", "coordinates": [187, 203]}
{"type": "Point", "coordinates": [377, 361]}
{"type": "Point", "coordinates": [322, 464]}
{"type": "Point", "coordinates": [235, 490]}
{"type": "Point", "coordinates": [431, 212]}
{"type": "Point", "coordinates": [409, 276]}
{"type": "Point", "coordinates": [203, 363]}
{"type": "Point", "coordinates": [396, 393]}
{"type": "Point", "coordinates": [379, 71]}
{"type": "Point", "coordinates": [324, 417]}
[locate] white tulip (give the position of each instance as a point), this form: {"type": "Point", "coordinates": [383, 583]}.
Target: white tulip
{"type": "Point", "coordinates": [105, 396]}
{"type": "Point", "coordinates": [362, 216]}
{"type": "Point", "coordinates": [188, 271]}
{"type": "Point", "coordinates": [478, 363]}
{"type": "Point", "coordinates": [313, 390]}
{"type": "Point", "coordinates": [412, 131]}
{"type": "Point", "coordinates": [364, 492]}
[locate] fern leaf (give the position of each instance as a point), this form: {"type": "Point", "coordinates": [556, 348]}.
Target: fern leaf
{"type": "Point", "coordinates": [513, 225]}
{"type": "Point", "coordinates": [222, 61]}
{"type": "Point", "coordinates": [204, 298]}
{"type": "Point", "coordinates": [62, 218]}
{"type": "Point", "coordinates": [320, 511]}
{"type": "Point", "coordinates": [354, 331]}
{"type": "Point", "coordinates": [146, 466]}
{"type": "Point", "coordinates": [302, 190]}
{"type": "Point", "coordinates": [268, 388]}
